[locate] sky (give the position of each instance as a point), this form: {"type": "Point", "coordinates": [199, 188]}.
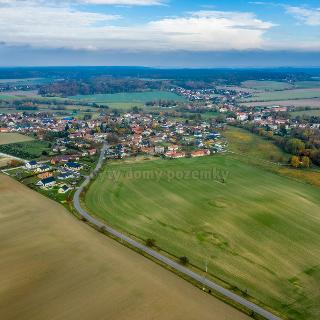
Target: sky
{"type": "Point", "coordinates": [160, 33]}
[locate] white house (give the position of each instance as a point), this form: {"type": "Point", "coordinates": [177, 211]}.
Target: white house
{"type": "Point", "coordinates": [31, 165]}
{"type": "Point", "coordinates": [47, 182]}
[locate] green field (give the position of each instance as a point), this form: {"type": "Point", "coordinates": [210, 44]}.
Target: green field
{"type": "Point", "coordinates": [26, 150]}
{"type": "Point", "coordinates": [306, 112]}
{"type": "Point", "coordinates": [131, 97]}
{"type": "Point", "coordinates": [7, 138]}
{"type": "Point", "coordinates": [266, 85]}
{"type": "Point", "coordinates": [307, 84]}
{"type": "Point", "coordinates": [259, 230]}
{"type": "Point", "coordinates": [294, 94]}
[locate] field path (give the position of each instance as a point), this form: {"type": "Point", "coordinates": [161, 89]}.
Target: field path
{"type": "Point", "coordinates": [208, 283]}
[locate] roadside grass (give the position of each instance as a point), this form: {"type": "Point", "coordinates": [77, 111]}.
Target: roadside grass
{"type": "Point", "coordinates": [257, 231]}
{"type": "Point", "coordinates": [7, 138]}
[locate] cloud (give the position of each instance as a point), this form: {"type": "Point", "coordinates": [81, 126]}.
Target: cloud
{"type": "Point", "coordinates": [310, 17]}
{"type": "Point", "coordinates": [38, 24]}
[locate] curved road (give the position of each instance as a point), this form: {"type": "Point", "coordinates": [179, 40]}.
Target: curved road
{"type": "Point", "coordinates": [208, 283]}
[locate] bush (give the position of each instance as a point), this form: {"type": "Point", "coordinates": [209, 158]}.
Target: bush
{"type": "Point", "coordinates": [150, 242]}
{"type": "Point", "coordinates": [184, 260]}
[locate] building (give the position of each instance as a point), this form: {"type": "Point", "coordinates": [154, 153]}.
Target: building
{"type": "Point", "coordinates": [44, 175]}
{"type": "Point", "coordinates": [66, 175]}
{"type": "Point", "coordinates": [42, 168]}
{"type": "Point", "coordinates": [47, 182]}
{"type": "Point", "coordinates": [92, 152]}
{"type": "Point", "coordinates": [64, 188]}
{"type": "Point", "coordinates": [175, 155]}
{"type": "Point", "coordinates": [74, 166]}
{"type": "Point", "coordinates": [32, 165]}
{"type": "Point", "coordinates": [159, 149]}
{"type": "Point", "coordinates": [200, 153]}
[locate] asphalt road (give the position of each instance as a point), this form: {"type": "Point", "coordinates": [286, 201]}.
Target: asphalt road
{"type": "Point", "coordinates": [207, 283]}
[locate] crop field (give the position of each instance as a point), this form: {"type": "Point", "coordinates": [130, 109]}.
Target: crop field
{"type": "Point", "coordinates": [131, 97]}
{"type": "Point", "coordinates": [266, 85]}
{"type": "Point", "coordinates": [7, 138]}
{"type": "Point", "coordinates": [258, 231]}
{"type": "Point", "coordinates": [26, 150]}
{"type": "Point", "coordinates": [4, 161]}
{"type": "Point", "coordinates": [55, 267]}
{"type": "Point", "coordinates": [315, 112]}
{"type": "Point", "coordinates": [307, 84]}
{"type": "Point", "coordinates": [294, 94]}
{"type": "Point", "coordinates": [286, 103]}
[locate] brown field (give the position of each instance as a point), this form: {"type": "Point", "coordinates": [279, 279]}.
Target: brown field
{"type": "Point", "coordinates": [4, 161]}
{"type": "Point", "coordinates": [287, 103]}
{"type": "Point", "coordinates": [53, 266]}
{"type": "Point", "coordinates": [6, 138]}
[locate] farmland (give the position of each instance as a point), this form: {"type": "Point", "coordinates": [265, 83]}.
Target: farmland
{"type": "Point", "coordinates": [7, 138]}
{"type": "Point", "coordinates": [27, 150]}
{"type": "Point", "coordinates": [253, 229]}
{"type": "Point", "coordinates": [286, 103]}
{"type": "Point", "coordinates": [54, 265]}
{"type": "Point", "coordinates": [294, 94]}
{"type": "Point", "coordinates": [131, 97]}
{"type": "Point", "coordinates": [266, 85]}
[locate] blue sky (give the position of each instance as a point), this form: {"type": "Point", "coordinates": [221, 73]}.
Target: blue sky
{"type": "Point", "coordinates": [160, 33]}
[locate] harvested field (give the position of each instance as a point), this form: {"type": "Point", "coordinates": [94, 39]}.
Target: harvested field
{"type": "Point", "coordinates": [56, 267]}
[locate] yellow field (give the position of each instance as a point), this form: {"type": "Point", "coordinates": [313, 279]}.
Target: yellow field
{"type": "Point", "coordinates": [6, 138]}
{"type": "Point", "coordinates": [55, 267]}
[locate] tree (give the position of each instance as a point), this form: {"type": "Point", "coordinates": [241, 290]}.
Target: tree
{"type": "Point", "coordinates": [150, 242]}
{"type": "Point", "coordinates": [270, 134]}
{"type": "Point", "coordinates": [306, 162]}
{"type": "Point", "coordinates": [184, 260]}
{"type": "Point", "coordinates": [295, 161]}
{"type": "Point", "coordinates": [295, 146]}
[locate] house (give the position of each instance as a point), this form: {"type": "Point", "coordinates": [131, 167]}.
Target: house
{"type": "Point", "coordinates": [200, 153]}
{"type": "Point", "coordinates": [159, 149]}
{"type": "Point", "coordinates": [44, 175]}
{"type": "Point", "coordinates": [173, 148]}
{"type": "Point", "coordinates": [31, 165]}
{"type": "Point", "coordinates": [74, 166]}
{"type": "Point", "coordinates": [47, 182]}
{"type": "Point", "coordinates": [92, 151]}
{"type": "Point", "coordinates": [42, 168]}
{"type": "Point", "coordinates": [64, 188]}
{"type": "Point", "coordinates": [175, 155]}
{"type": "Point", "coordinates": [242, 116]}
{"type": "Point", "coordinates": [66, 175]}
